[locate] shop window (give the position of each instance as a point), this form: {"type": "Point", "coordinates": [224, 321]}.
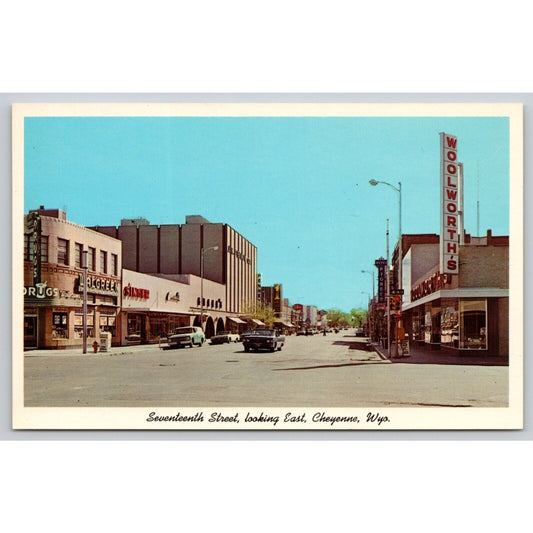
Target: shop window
{"type": "Point", "coordinates": [158, 327]}
{"type": "Point", "coordinates": [78, 325]}
{"type": "Point", "coordinates": [62, 252]}
{"type": "Point", "coordinates": [449, 323]}
{"type": "Point", "coordinates": [108, 323]}
{"type": "Point", "coordinates": [59, 325]}
{"type": "Point", "coordinates": [473, 324]}
{"type": "Point", "coordinates": [134, 327]}
{"type": "Point", "coordinates": [417, 325]}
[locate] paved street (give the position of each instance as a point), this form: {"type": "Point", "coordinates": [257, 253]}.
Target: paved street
{"type": "Point", "coordinates": [316, 371]}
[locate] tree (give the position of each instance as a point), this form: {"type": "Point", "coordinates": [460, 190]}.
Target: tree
{"type": "Point", "coordinates": [358, 317]}
{"type": "Point", "coordinates": [259, 311]}
{"type": "Point", "coordinates": [338, 318]}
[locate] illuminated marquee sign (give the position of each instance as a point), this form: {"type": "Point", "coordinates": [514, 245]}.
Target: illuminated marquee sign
{"type": "Point", "coordinates": [41, 291]}
{"type": "Point", "coordinates": [381, 264]}
{"type": "Point", "coordinates": [98, 285]}
{"type": "Point", "coordinates": [134, 292]}
{"type": "Point", "coordinates": [430, 285]}
{"type": "Point", "coordinates": [451, 216]}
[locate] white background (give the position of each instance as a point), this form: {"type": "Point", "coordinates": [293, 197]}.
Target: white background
{"type": "Point", "coordinates": [259, 482]}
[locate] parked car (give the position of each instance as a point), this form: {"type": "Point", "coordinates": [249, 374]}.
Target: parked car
{"type": "Point", "coordinates": [310, 331]}
{"type": "Point", "coordinates": [359, 332]}
{"type": "Point", "coordinates": [300, 332]}
{"type": "Point", "coordinates": [262, 339]}
{"type": "Point", "coordinates": [225, 336]}
{"type": "Point", "coordinates": [186, 336]}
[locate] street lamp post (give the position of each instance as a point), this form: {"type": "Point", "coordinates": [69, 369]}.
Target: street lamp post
{"type": "Point", "coordinates": [202, 252]}
{"type": "Point", "coordinates": [373, 287]}
{"type": "Point", "coordinates": [371, 318]}
{"type": "Point", "coordinates": [398, 189]}
{"type": "Point", "coordinates": [84, 254]}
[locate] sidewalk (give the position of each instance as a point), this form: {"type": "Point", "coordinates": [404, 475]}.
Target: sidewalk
{"type": "Point", "coordinates": [422, 355]}
{"type": "Point", "coordinates": [114, 350]}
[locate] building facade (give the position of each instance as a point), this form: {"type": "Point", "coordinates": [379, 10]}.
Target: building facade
{"type": "Point", "coordinates": [467, 312]}
{"type": "Point", "coordinates": [53, 281]}
{"type": "Point", "coordinates": [153, 306]}
{"type": "Point", "coordinates": [228, 258]}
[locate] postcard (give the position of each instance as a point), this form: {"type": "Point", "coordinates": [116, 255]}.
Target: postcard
{"type": "Point", "coordinates": [267, 266]}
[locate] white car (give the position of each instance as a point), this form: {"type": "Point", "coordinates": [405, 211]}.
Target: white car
{"type": "Point", "coordinates": [186, 336]}
{"type": "Point", "coordinates": [225, 336]}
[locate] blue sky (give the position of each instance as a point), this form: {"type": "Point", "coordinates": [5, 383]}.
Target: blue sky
{"type": "Point", "coordinates": [295, 187]}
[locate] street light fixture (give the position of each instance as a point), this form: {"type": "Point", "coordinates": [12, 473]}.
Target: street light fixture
{"type": "Point", "coordinates": [202, 252]}
{"type": "Point", "coordinates": [399, 191]}
{"type": "Point", "coordinates": [373, 287]}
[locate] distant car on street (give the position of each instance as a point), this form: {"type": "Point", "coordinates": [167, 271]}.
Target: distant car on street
{"type": "Point", "coordinates": [186, 336]}
{"type": "Point", "coordinates": [262, 339]}
{"type": "Point", "coordinates": [300, 332]}
{"type": "Point", "coordinates": [225, 336]}
{"type": "Point", "coordinates": [359, 332]}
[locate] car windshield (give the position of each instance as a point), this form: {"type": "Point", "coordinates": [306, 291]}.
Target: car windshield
{"type": "Point", "coordinates": [223, 333]}
{"type": "Point", "coordinates": [179, 331]}
{"type": "Point", "coordinates": [261, 332]}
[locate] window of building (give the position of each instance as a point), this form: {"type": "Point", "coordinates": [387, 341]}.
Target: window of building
{"type": "Point", "coordinates": [108, 322]}
{"type": "Point", "coordinates": [114, 264]}
{"type": "Point", "coordinates": [91, 258]}
{"type": "Point", "coordinates": [78, 254]}
{"type": "Point", "coordinates": [473, 324]}
{"type": "Point", "coordinates": [449, 322]}
{"type": "Point", "coordinates": [44, 248]}
{"type": "Point", "coordinates": [78, 325]}
{"type": "Point", "coordinates": [103, 261]}
{"type": "Point", "coordinates": [28, 248]}
{"type": "Point", "coordinates": [62, 251]}
{"type": "Point", "coordinates": [59, 325]}
{"type": "Point", "coordinates": [135, 327]}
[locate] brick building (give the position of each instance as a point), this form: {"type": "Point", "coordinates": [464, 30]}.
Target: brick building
{"type": "Point", "coordinates": [53, 281]}
{"type": "Point", "coordinates": [459, 313]}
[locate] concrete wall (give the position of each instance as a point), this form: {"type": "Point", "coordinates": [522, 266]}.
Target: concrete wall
{"type": "Point", "coordinates": [169, 250]}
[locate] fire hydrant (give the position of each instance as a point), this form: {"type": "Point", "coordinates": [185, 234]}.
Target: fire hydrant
{"type": "Point", "coordinates": [95, 346]}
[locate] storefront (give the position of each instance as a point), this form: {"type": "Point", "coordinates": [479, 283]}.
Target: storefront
{"type": "Point", "coordinates": [153, 306]}
{"type": "Point", "coordinates": [465, 313]}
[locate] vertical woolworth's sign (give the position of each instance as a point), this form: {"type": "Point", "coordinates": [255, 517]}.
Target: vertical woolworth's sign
{"type": "Point", "coordinates": [450, 205]}
{"type": "Point", "coordinates": [381, 264]}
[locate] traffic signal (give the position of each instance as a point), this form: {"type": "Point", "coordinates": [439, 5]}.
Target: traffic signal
{"type": "Point", "coordinates": [396, 303]}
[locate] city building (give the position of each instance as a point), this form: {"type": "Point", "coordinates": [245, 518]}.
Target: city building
{"type": "Point", "coordinates": [310, 315]}
{"type": "Point", "coordinates": [211, 251]}
{"type": "Point", "coordinates": [465, 312]}
{"type": "Point", "coordinates": [153, 306]}
{"type": "Point", "coordinates": [53, 281]}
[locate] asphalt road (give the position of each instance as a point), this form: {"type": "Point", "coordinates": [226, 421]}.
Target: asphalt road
{"type": "Point", "coordinates": [317, 371]}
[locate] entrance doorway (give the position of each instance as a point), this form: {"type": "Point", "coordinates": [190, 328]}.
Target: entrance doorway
{"type": "Point", "coordinates": [30, 332]}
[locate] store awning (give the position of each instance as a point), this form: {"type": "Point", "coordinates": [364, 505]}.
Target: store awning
{"type": "Point", "coordinates": [286, 324]}
{"type": "Point", "coordinates": [257, 322]}
{"type": "Point", "coordinates": [236, 320]}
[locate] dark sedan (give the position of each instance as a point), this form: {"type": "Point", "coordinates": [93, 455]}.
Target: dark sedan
{"type": "Point", "coordinates": [262, 339]}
